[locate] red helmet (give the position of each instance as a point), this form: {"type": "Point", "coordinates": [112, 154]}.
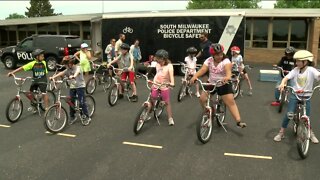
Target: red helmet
{"type": "Point", "coordinates": [216, 48]}
{"type": "Point", "coordinates": [235, 49]}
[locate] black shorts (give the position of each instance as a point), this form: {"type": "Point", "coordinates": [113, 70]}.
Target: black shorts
{"type": "Point", "coordinates": [42, 86]}
{"type": "Point", "coordinates": [222, 90]}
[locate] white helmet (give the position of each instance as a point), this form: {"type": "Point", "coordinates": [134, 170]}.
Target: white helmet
{"type": "Point", "coordinates": [84, 45]}
{"type": "Point", "coordinates": [303, 55]}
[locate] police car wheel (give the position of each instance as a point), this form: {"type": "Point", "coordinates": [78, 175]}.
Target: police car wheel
{"type": "Point", "coordinates": [51, 63]}
{"type": "Point", "coordinates": [9, 62]}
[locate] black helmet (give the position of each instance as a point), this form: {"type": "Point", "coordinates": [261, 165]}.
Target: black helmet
{"type": "Point", "coordinates": [125, 46]}
{"type": "Point", "coordinates": [290, 50]}
{"type": "Point", "coordinates": [161, 53]}
{"type": "Point", "coordinates": [216, 48]}
{"type": "Point", "coordinates": [37, 52]}
{"type": "Point", "coordinates": [192, 50]}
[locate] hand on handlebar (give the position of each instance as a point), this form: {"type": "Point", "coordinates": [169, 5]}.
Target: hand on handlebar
{"type": "Point", "coordinates": [10, 74]}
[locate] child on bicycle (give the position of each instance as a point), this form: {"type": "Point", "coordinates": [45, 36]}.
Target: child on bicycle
{"type": "Point", "coordinates": [237, 61]}
{"type": "Point", "coordinates": [39, 69]}
{"type": "Point", "coordinates": [125, 61]}
{"type": "Point", "coordinates": [219, 68]}
{"type": "Point", "coordinates": [302, 78]}
{"type": "Point", "coordinates": [164, 75]}
{"type": "Point", "coordinates": [287, 63]}
{"type": "Point", "coordinates": [77, 86]}
{"type": "Point", "coordinates": [191, 62]}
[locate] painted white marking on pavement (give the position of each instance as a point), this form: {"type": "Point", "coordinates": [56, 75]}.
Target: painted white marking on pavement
{"type": "Point", "coordinates": [63, 134]}
{"type": "Point", "coordinates": [248, 156]}
{"type": "Point", "coordinates": [142, 145]}
{"type": "Point", "coordinates": [5, 126]}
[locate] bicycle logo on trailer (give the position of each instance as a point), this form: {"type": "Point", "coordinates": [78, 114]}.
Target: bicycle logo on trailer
{"type": "Point", "coordinates": [127, 30]}
{"type": "Point", "coordinates": [231, 29]}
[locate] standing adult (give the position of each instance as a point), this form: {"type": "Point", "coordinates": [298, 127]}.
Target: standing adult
{"type": "Point", "coordinates": [205, 44]}
{"type": "Point", "coordinates": [110, 50]}
{"type": "Point", "coordinates": [121, 39]}
{"type": "Point", "coordinates": [136, 53]}
{"type": "Point", "coordinates": [84, 56]}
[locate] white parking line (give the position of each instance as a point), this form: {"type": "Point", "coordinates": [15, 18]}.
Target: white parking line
{"type": "Point", "coordinates": [4, 126]}
{"type": "Point", "coordinates": [142, 145]}
{"type": "Point", "coordinates": [63, 134]}
{"type": "Point", "coordinates": [248, 156]}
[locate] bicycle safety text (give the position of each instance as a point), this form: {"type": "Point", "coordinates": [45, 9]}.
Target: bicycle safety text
{"type": "Point", "coordinates": [179, 31]}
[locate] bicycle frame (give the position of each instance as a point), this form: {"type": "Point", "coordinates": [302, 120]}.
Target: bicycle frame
{"type": "Point", "coordinates": [118, 82]}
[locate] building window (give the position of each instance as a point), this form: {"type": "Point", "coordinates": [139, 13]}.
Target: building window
{"type": "Point", "coordinates": [74, 29]}
{"type": "Point", "coordinates": [260, 33]}
{"type": "Point", "coordinates": [280, 31]}
{"type": "Point", "coordinates": [299, 33]}
{"type": "Point", "coordinates": [64, 28]}
{"type": "Point", "coordinates": [248, 32]}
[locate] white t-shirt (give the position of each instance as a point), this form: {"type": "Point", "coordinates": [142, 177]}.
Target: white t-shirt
{"type": "Point", "coordinates": [216, 72]}
{"type": "Point", "coordinates": [191, 63]}
{"type": "Point", "coordinates": [303, 81]}
{"type": "Point", "coordinates": [238, 61]}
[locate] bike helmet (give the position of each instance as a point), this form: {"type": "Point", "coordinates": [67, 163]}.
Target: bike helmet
{"type": "Point", "coordinates": [235, 49]}
{"type": "Point", "coordinates": [84, 45]}
{"type": "Point", "coordinates": [69, 59]}
{"type": "Point", "coordinates": [161, 53]}
{"type": "Point", "coordinates": [37, 52]}
{"type": "Point", "coordinates": [303, 55]}
{"type": "Point", "coordinates": [124, 46]}
{"type": "Point", "coordinates": [290, 50]}
{"type": "Point", "coordinates": [192, 50]}
{"type": "Point", "coordinates": [216, 48]}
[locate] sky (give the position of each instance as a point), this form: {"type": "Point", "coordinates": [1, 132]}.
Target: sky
{"type": "Point", "coordinates": [85, 7]}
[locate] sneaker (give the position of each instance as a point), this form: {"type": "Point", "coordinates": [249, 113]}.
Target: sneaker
{"type": "Point", "coordinates": [134, 98]}
{"type": "Point", "coordinates": [171, 122]}
{"type": "Point", "coordinates": [250, 92]}
{"type": "Point", "coordinates": [278, 137]}
{"type": "Point", "coordinates": [87, 121]}
{"type": "Point", "coordinates": [313, 138]}
{"type": "Point", "coordinates": [241, 124]}
{"type": "Point", "coordinates": [120, 96]}
{"type": "Point", "coordinates": [275, 103]}
{"type": "Point", "coordinates": [198, 94]}
{"type": "Point", "coordinates": [72, 120]}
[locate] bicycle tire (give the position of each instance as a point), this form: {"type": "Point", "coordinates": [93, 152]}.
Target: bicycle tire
{"type": "Point", "coordinates": [296, 118]}
{"type": "Point", "coordinates": [129, 90]}
{"type": "Point", "coordinates": [204, 125]}
{"type": "Point", "coordinates": [113, 95]}
{"type": "Point", "coordinates": [59, 121]}
{"type": "Point", "coordinates": [182, 92]}
{"type": "Point", "coordinates": [19, 104]}
{"type": "Point", "coordinates": [281, 102]}
{"type": "Point", "coordinates": [91, 105]}
{"type": "Point", "coordinates": [107, 82]}
{"type": "Point", "coordinates": [236, 89]}
{"type": "Point", "coordinates": [159, 106]}
{"type": "Point", "coordinates": [303, 141]}
{"type": "Point", "coordinates": [51, 100]}
{"type": "Point", "coordinates": [91, 85]}
{"type": "Point", "coordinates": [220, 114]}
{"type": "Point", "coordinates": [141, 117]}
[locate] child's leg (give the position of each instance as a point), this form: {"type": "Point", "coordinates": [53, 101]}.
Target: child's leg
{"type": "Point", "coordinates": [248, 80]}
{"type": "Point", "coordinates": [82, 101]}
{"type": "Point", "coordinates": [131, 78]}
{"type": "Point", "coordinates": [72, 94]}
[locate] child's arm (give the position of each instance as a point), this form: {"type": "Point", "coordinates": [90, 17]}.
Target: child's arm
{"type": "Point", "coordinates": [228, 69]}
{"type": "Point", "coordinates": [131, 62]}
{"type": "Point", "coordinates": [15, 71]}
{"type": "Point", "coordinates": [201, 72]}
{"type": "Point", "coordinates": [75, 73]}
{"type": "Point", "coordinates": [113, 61]}
{"type": "Point", "coordinates": [58, 75]}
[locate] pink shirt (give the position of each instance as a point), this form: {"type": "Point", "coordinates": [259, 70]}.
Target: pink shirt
{"type": "Point", "coordinates": [216, 72]}
{"type": "Point", "coordinates": [163, 75]}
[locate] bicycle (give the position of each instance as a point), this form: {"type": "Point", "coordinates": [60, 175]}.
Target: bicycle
{"type": "Point", "coordinates": [215, 109]}
{"type": "Point", "coordinates": [14, 108]}
{"type": "Point", "coordinates": [302, 125]}
{"type": "Point", "coordinates": [236, 80]}
{"type": "Point", "coordinates": [56, 118]}
{"type": "Point", "coordinates": [283, 98]}
{"type": "Point", "coordinates": [51, 87]}
{"type": "Point", "coordinates": [185, 84]}
{"type": "Point", "coordinates": [100, 76]}
{"type": "Point", "coordinates": [156, 107]}
{"type": "Point", "coordinates": [113, 94]}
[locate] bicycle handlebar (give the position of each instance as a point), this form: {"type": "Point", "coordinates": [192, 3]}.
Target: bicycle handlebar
{"type": "Point", "coordinates": [210, 84]}
{"type": "Point", "coordinates": [301, 97]}
{"type": "Point", "coordinates": [282, 71]}
{"type": "Point", "coordinates": [118, 70]}
{"type": "Point", "coordinates": [23, 80]}
{"type": "Point", "coordinates": [154, 83]}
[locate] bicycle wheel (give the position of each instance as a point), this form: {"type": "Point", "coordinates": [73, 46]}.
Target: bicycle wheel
{"type": "Point", "coordinates": [14, 110]}
{"type": "Point", "coordinates": [296, 118]}
{"type": "Point", "coordinates": [159, 106]}
{"type": "Point", "coordinates": [281, 102]}
{"type": "Point", "coordinates": [140, 119]}
{"type": "Point", "coordinates": [107, 81]}
{"type": "Point", "coordinates": [55, 119]}
{"type": "Point", "coordinates": [204, 128]}
{"type": "Point", "coordinates": [129, 90]}
{"type": "Point", "coordinates": [220, 114]}
{"type": "Point", "coordinates": [236, 89]}
{"type": "Point", "coordinates": [182, 91]}
{"type": "Point", "coordinates": [303, 140]}
{"type": "Point", "coordinates": [91, 85]}
{"type": "Point", "coordinates": [51, 100]}
{"type": "Point", "coordinates": [113, 95]}
{"type": "Point", "coordinates": [91, 105]}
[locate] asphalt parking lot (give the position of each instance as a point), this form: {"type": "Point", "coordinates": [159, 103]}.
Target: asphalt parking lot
{"type": "Point", "coordinates": [108, 148]}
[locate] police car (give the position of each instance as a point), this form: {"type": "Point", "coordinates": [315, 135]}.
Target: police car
{"type": "Point", "coordinates": [55, 47]}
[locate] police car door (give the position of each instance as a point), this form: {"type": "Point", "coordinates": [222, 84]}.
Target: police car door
{"type": "Point", "coordinates": [24, 50]}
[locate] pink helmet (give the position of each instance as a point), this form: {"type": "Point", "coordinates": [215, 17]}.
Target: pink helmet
{"type": "Point", "coordinates": [235, 49]}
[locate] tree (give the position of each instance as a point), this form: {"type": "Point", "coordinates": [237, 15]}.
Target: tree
{"type": "Point", "coordinates": [39, 8]}
{"type": "Point", "coordinates": [222, 4]}
{"type": "Point", "coordinates": [297, 4]}
{"type": "Point", "coordinates": [15, 16]}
